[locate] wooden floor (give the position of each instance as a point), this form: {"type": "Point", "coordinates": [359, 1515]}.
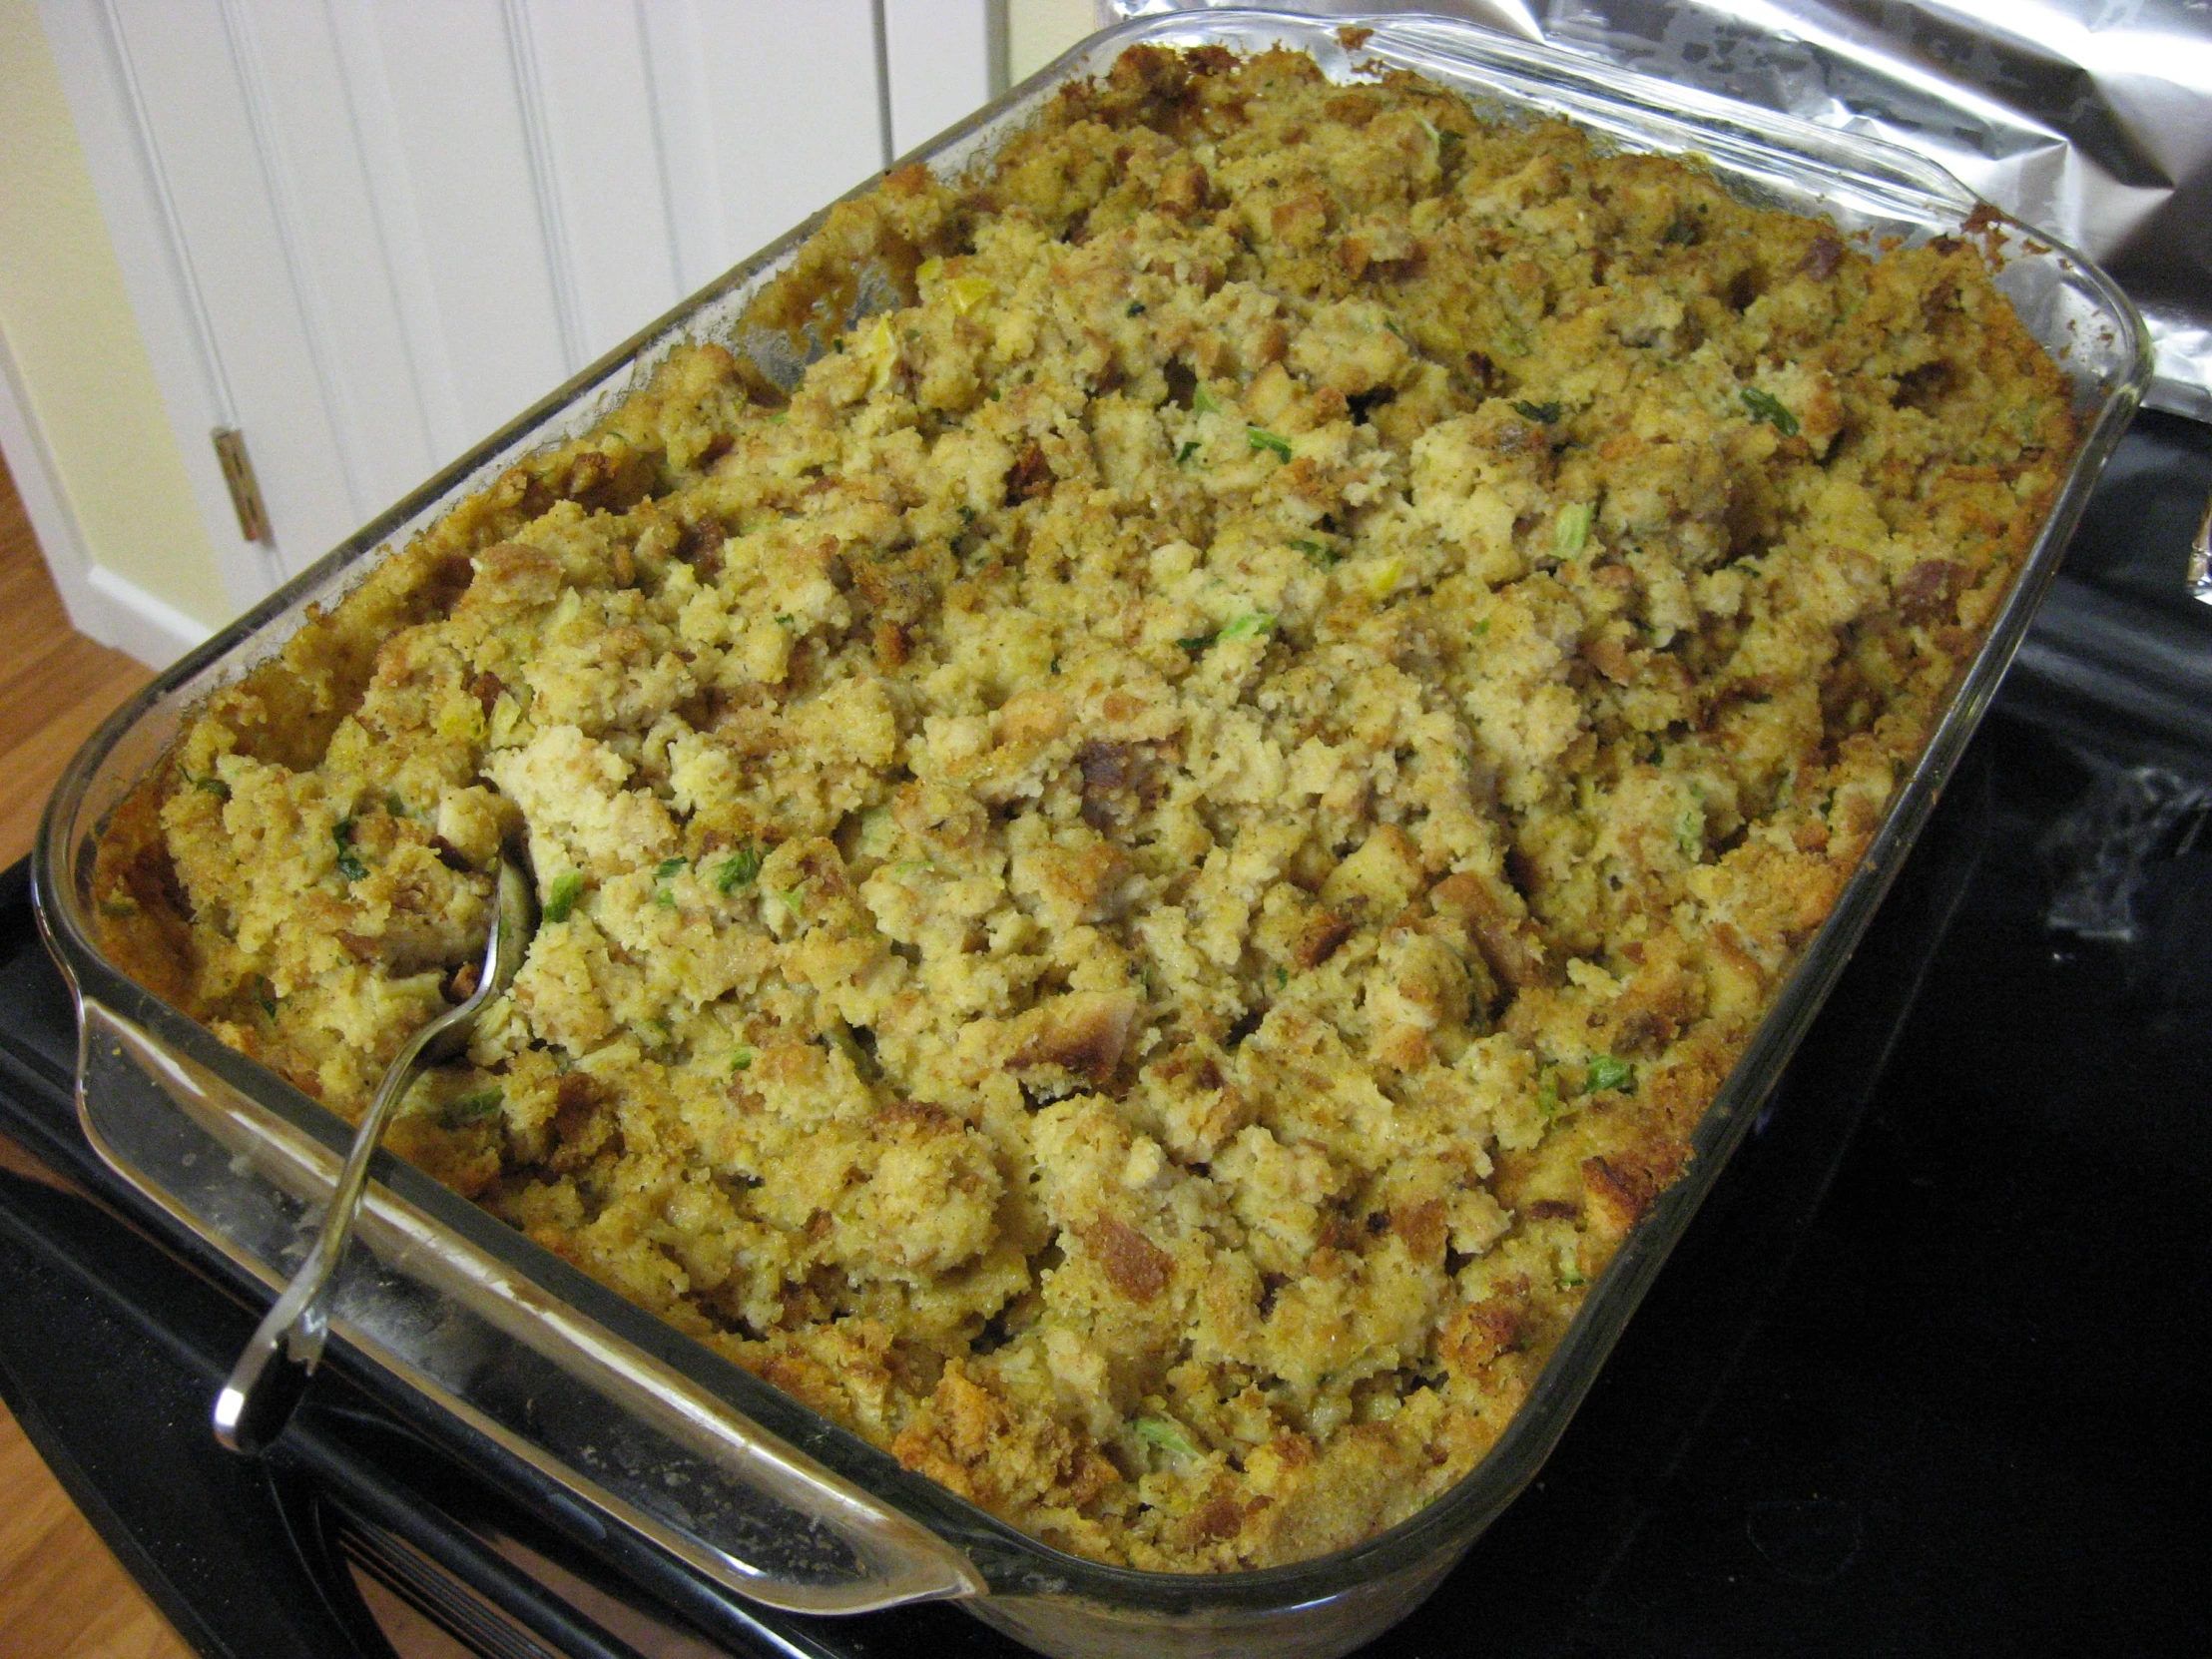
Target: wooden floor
{"type": "Point", "coordinates": [62, 1595]}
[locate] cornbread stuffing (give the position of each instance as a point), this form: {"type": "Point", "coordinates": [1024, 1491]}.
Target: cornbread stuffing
{"type": "Point", "coordinates": [1143, 876]}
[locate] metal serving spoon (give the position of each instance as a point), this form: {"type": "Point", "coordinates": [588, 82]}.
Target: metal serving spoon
{"type": "Point", "coordinates": [272, 1373]}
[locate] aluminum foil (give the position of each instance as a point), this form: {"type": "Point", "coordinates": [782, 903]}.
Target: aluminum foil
{"type": "Point", "coordinates": [2090, 120]}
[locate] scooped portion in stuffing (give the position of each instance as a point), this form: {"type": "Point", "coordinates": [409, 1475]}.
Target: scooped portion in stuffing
{"type": "Point", "coordinates": [1142, 878]}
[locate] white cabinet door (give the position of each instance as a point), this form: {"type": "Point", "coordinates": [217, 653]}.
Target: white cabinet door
{"type": "Point", "coordinates": [366, 232]}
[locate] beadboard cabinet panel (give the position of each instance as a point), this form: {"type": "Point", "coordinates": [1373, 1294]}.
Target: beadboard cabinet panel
{"type": "Point", "coordinates": [366, 232]}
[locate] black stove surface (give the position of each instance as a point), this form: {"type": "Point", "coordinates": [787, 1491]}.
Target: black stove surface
{"type": "Point", "coordinates": [1925, 1378]}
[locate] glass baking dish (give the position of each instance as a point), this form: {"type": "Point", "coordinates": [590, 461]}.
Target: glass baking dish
{"type": "Point", "coordinates": [647, 1430]}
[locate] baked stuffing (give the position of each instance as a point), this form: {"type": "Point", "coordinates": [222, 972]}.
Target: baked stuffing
{"type": "Point", "coordinates": [1142, 878]}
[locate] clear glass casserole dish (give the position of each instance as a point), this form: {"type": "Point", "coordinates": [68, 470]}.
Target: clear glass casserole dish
{"type": "Point", "coordinates": [650, 1431]}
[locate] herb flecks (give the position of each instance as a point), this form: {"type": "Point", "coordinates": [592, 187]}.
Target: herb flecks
{"type": "Point", "coordinates": [1689, 829]}
{"type": "Point", "coordinates": [1764, 405]}
{"type": "Point", "coordinates": [1250, 626]}
{"type": "Point", "coordinates": [349, 862]}
{"type": "Point", "coordinates": [1167, 1436]}
{"type": "Point", "coordinates": [1548, 1102]}
{"type": "Point", "coordinates": [1258, 438]}
{"type": "Point", "coordinates": [561, 897]}
{"type": "Point", "coordinates": [739, 869]}
{"type": "Point", "coordinates": [472, 1108]}
{"type": "Point", "coordinates": [1606, 1071]}
{"type": "Point", "coordinates": [1571, 530]}
{"type": "Point", "coordinates": [1544, 415]}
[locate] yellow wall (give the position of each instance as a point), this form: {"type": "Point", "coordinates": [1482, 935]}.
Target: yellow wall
{"type": "Point", "coordinates": [80, 361]}
{"type": "Point", "coordinates": [1037, 31]}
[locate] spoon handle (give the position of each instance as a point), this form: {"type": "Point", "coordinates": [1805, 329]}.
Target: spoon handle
{"type": "Point", "coordinates": [273, 1372]}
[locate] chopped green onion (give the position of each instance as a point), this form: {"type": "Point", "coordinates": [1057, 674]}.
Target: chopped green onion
{"type": "Point", "coordinates": [1136, 308]}
{"type": "Point", "coordinates": [1572, 529]}
{"type": "Point", "coordinates": [1689, 830]}
{"type": "Point", "coordinates": [1543, 413]}
{"type": "Point", "coordinates": [561, 897]}
{"type": "Point", "coordinates": [1281, 977]}
{"type": "Point", "coordinates": [739, 868]}
{"type": "Point", "coordinates": [1607, 1072]}
{"type": "Point", "coordinates": [1260, 439]}
{"type": "Point", "coordinates": [1764, 405]}
{"type": "Point", "coordinates": [1204, 401]}
{"type": "Point", "coordinates": [1569, 1279]}
{"type": "Point", "coordinates": [1186, 451]}
{"type": "Point", "coordinates": [349, 862]}
{"type": "Point", "coordinates": [740, 1059]}
{"type": "Point", "coordinates": [1317, 554]}
{"type": "Point", "coordinates": [1164, 1434]}
{"type": "Point", "coordinates": [668, 869]}
{"type": "Point", "coordinates": [1547, 1091]}
{"type": "Point", "coordinates": [213, 786]}
{"type": "Point", "coordinates": [1248, 626]}
{"type": "Point", "coordinates": [265, 994]}
{"type": "Point", "coordinates": [394, 804]}
{"type": "Point", "coordinates": [1196, 644]}
{"type": "Point", "coordinates": [472, 1108]}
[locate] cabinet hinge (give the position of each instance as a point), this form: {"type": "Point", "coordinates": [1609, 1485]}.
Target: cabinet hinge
{"type": "Point", "coordinates": [237, 473]}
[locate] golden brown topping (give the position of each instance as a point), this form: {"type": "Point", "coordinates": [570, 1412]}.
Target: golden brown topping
{"type": "Point", "coordinates": [486, 688]}
{"type": "Point", "coordinates": [1926, 592]}
{"type": "Point", "coordinates": [1179, 835]}
{"type": "Point", "coordinates": [1085, 1033]}
{"type": "Point", "coordinates": [1133, 1263]}
{"type": "Point", "coordinates": [1510, 943]}
{"type": "Point", "coordinates": [1619, 1190]}
{"type": "Point", "coordinates": [1030, 477]}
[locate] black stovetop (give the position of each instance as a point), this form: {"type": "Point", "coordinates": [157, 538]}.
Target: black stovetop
{"type": "Point", "coordinates": [1926, 1376]}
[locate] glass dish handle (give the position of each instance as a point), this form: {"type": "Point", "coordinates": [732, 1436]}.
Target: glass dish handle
{"type": "Point", "coordinates": [624, 1434]}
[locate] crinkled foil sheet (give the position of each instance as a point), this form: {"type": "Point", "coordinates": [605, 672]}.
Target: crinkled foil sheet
{"type": "Point", "coordinates": [2090, 120]}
